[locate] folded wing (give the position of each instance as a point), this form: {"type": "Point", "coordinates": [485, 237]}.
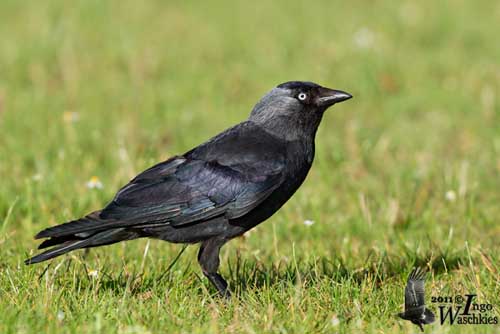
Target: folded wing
{"type": "Point", "coordinates": [227, 176]}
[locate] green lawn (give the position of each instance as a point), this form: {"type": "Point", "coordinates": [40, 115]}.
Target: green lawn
{"type": "Point", "coordinates": [407, 173]}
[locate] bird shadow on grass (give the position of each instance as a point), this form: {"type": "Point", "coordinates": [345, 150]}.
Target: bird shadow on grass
{"type": "Point", "coordinates": [250, 274]}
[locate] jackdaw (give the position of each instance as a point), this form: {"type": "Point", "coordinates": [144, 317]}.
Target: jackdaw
{"type": "Point", "coordinates": [216, 191]}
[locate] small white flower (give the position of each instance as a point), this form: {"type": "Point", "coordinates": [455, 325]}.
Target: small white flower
{"type": "Point", "coordinates": [334, 321]}
{"type": "Point", "coordinates": [36, 177]}
{"type": "Point", "coordinates": [60, 315]}
{"type": "Point", "coordinates": [364, 38]}
{"type": "Point", "coordinates": [308, 222]}
{"type": "Point", "coordinates": [450, 196]}
{"type": "Point", "coordinates": [93, 273]}
{"type": "Point", "coordinates": [94, 183]}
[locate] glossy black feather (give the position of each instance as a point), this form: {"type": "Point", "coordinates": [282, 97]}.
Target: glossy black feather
{"type": "Point", "coordinates": [98, 239]}
{"type": "Point", "coordinates": [229, 175]}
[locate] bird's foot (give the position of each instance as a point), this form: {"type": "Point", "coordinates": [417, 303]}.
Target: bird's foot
{"type": "Point", "coordinates": [220, 284]}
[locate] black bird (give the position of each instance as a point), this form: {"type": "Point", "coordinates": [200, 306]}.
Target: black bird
{"type": "Point", "coordinates": [216, 191]}
{"type": "Point", "coordinates": [415, 309]}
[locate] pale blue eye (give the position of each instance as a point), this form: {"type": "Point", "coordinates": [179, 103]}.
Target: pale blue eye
{"type": "Point", "coordinates": [302, 96]}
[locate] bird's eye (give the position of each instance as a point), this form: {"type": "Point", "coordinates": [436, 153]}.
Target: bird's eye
{"type": "Point", "coordinates": [302, 96]}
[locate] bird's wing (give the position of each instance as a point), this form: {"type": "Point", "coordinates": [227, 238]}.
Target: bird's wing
{"type": "Point", "coordinates": [229, 175]}
{"type": "Point", "coordinates": [414, 291]}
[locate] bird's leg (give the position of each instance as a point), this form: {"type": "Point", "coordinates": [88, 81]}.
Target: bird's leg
{"type": "Point", "coordinates": [208, 258]}
{"type": "Point", "coordinates": [421, 327]}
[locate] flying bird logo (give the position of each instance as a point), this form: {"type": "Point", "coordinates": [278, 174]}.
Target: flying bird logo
{"type": "Point", "coordinates": [415, 310]}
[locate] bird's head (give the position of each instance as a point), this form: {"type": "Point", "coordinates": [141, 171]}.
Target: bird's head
{"type": "Point", "coordinates": [295, 107]}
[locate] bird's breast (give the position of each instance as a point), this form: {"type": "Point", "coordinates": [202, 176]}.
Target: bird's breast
{"type": "Point", "coordinates": [298, 161]}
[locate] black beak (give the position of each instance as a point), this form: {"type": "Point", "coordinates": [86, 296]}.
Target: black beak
{"type": "Point", "coordinates": [328, 97]}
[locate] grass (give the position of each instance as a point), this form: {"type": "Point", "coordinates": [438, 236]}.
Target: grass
{"type": "Point", "coordinates": [407, 173]}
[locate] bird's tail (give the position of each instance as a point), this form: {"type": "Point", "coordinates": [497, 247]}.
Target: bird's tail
{"type": "Point", "coordinates": [87, 232]}
{"type": "Point", "coordinates": [428, 317]}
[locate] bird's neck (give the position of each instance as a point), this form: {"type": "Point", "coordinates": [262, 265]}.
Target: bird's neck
{"type": "Point", "coordinates": [291, 128]}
